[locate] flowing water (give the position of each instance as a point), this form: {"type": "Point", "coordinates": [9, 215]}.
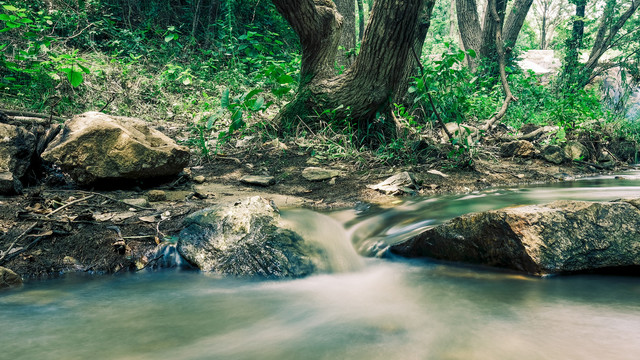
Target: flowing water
{"type": "Point", "coordinates": [370, 308]}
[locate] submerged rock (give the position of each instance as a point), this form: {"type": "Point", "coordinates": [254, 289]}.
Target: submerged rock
{"type": "Point", "coordinates": [17, 147]}
{"type": "Point", "coordinates": [95, 147]}
{"type": "Point", "coordinates": [8, 278]}
{"type": "Point", "coordinates": [245, 239]}
{"type": "Point", "coordinates": [560, 237]}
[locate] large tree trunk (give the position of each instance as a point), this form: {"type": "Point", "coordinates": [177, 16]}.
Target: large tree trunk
{"type": "Point", "coordinates": [347, 8]}
{"type": "Point", "coordinates": [375, 76]}
{"type": "Point", "coordinates": [317, 23]}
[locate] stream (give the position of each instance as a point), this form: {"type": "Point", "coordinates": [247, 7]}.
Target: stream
{"type": "Point", "coordinates": [369, 308]}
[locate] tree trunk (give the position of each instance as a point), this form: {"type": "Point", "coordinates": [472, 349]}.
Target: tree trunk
{"type": "Point", "coordinates": [469, 25]}
{"type": "Point", "coordinates": [347, 8]}
{"type": "Point", "coordinates": [570, 69]}
{"type": "Point", "coordinates": [360, 19]}
{"type": "Point", "coordinates": [412, 63]}
{"type": "Point", "coordinates": [514, 22]}
{"type": "Point", "coordinates": [375, 76]}
{"type": "Point", "coordinates": [482, 38]}
{"type": "Point", "coordinates": [317, 23]}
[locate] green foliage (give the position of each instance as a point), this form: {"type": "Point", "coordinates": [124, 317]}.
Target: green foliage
{"type": "Point", "coordinates": [31, 58]}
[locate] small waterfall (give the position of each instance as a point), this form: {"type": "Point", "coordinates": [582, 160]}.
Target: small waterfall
{"type": "Point", "coordinates": [327, 233]}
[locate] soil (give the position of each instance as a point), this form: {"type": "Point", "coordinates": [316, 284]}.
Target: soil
{"type": "Point", "coordinates": [54, 228]}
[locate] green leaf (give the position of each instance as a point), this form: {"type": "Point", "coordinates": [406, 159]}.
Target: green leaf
{"type": "Point", "coordinates": [224, 100]}
{"type": "Point", "coordinates": [74, 77]}
{"type": "Point", "coordinates": [169, 38]}
{"type": "Point", "coordinates": [258, 104]}
{"type": "Point", "coordinates": [85, 69]}
{"type": "Point", "coordinates": [252, 93]}
{"type": "Point", "coordinates": [10, 8]}
{"type": "Point", "coordinates": [412, 89]}
{"type": "Point", "coordinates": [285, 79]}
{"type": "Point", "coordinates": [5, 17]}
{"type": "Point", "coordinates": [281, 91]}
{"type": "Point", "coordinates": [12, 25]}
{"type": "Point", "coordinates": [472, 53]}
{"type": "Point", "coordinates": [186, 81]}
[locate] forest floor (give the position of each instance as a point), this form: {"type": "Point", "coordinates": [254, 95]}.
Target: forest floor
{"type": "Point", "coordinates": [51, 229]}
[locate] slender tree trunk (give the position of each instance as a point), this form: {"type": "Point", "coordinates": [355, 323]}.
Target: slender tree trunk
{"type": "Point", "coordinates": [375, 76]}
{"type": "Point", "coordinates": [543, 33]}
{"type": "Point", "coordinates": [347, 8]}
{"type": "Point", "coordinates": [361, 20]}
{"type": "Point", "coordinates": [574, 44]}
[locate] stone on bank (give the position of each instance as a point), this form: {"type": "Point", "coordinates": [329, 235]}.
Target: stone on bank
{"type": "Point", "coordinates": [95, 147]}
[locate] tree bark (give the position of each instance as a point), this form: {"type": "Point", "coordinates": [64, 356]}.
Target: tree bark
{"type": "Point", "coordinates": [317, 23]}
{"type": "Point", "coordinates": [570, 71]}
{"type": "Point", "coordinates": [375, 76]}
{"type": "Point", "coordinates": [347, 8]}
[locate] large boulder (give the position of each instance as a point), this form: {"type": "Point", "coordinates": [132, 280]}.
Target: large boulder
{"type": "Point", "coordinates": [560, 237]}
{"type": "Point", "coordinates": [245, 239]}
{"type": "Point", "coordinates": [16, 151]}
{"type": "Point", "coordinates": [95, 147]}
{"type": "Point", "coordinates": [8, 278]}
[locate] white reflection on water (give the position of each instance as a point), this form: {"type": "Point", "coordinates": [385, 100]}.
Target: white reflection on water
{"type": "Point", "coordinates": [387, 310]}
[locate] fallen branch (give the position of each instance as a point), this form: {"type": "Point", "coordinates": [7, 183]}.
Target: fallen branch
{"type": "Point", "coordinates": [15, 241]}
{"type": "Point", "coordinates": [69, 204]}
{"type": "Point", "coordinates": [25, 115]}
{"type": "Point", "coordinates": [104, 196]}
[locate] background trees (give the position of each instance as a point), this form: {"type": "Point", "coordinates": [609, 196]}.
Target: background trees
{"type": "Point", "coordinates": [223, 65]}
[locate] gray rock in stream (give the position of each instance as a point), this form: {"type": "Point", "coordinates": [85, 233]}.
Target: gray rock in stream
{"type": "Point", "coordinates": [560, 237]}
{"type": "Point", "coordinates": [245, 239]}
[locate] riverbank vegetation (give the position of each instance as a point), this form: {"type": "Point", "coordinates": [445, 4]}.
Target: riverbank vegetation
{"type": "Point", "coordinates": [228, 69]}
